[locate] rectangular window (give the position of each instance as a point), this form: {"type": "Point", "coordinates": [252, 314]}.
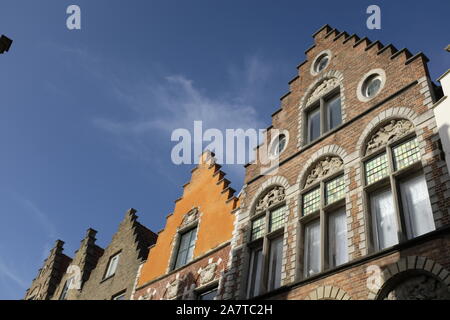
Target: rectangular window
{"type": "Point", "coordinates": [416, 206]}
{"type": "Point", "coordinates": [311, 201]}
{"type": "Point", "coordinates": [376, 168]}
{"type": "Point", "coordinates": [66, 288]}
{"type": "Point", "coordinates": [254, 284]}
{"type": "Point", "coordinates": [335, 190]}
{"type": "Point", "coordinates": [209, 295]}
{"type": "Point", "coordinates": [258, 226]}
{"type": "Point", "coordinates": [334, 116]}
{"type": "Point", "coordinates": [112, 266]}
{"type": "Point", "coordinates": [383, 219]}
{"type": "Point", "coordinates": [337, 238]}
{"type": "Point", "coordinates": [186, 248]}
{"type": "Point", "coordinates": [406, 154]}
{"type": "Point", "coordinates": [312, 248]}
{"type": "Point", "coordinates": [275, 256]}
{"type": "Point", "coordinates": [277, 218]}
{"type": "Point", "coordinates": [313, 120]}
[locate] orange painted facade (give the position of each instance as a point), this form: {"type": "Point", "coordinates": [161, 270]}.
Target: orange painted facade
{"type": "Point", "coordinates": [209, 192]}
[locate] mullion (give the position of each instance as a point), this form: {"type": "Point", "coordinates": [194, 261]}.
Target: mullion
{"type": "Point", "coordinates": [395, 195]}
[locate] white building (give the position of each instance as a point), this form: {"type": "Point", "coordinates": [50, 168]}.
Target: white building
{"type": "Point", "coordinates": [442, 113]}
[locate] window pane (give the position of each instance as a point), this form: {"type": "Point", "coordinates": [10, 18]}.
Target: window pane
{"type": "Point", "coordinates": [337, 238]}
{"type": "Point", "coordinates": [335, 190]}
{"type": "Point", "coordinates": [334, 112]}
{"type": "Point", "coordinates": [120, 297]}
{"type": "Point", "coordinates": [312, 249]}
{"type": "Point", "coordinates": [406, 154]}
{"type": "Point", "coordinates": [277, 218]}
{"type": "Point", "coordinates": [186, 248]}
{"type": "Point", "coordinates": [258, 228]}
{"type": "Point", "coordinates": [65, 289]}
{"type": "Point", "coordinates": [383, 219]}
{"type": "Point", "coordinates": [416, 206]}
{"type": "Point", "coordinates": [275, 256]}
{"type": "Point", "coordinates": [313, 125]}
{"type": "Point", "coordinates": [210, 295]}
{"type": "Point", "coordinates": [112, 266]}
{"type": "Point", "coordinates": [376, 169]}
{"type": "Point", "coordinates": [255, 273]}
{"type": "Point", "coordinates": [311, 201]}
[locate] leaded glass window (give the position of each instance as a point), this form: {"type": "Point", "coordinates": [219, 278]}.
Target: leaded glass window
{"type": "Point", "coordinates": [335, 190]}
{"type": "Point", "coordinates": [311, 201]}
{"type": "Point", "coordinates": [377, 168]}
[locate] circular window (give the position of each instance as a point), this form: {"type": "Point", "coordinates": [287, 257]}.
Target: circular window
{"type": "Point", "coordinates": [321, 61]}
{"type": "Point", "coordinates": [278, 145]}
{"type": "Point", "coordinates": [371, 84]}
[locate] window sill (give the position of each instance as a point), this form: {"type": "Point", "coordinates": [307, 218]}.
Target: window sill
{"type": "Point", "coordinates": [106, 279]}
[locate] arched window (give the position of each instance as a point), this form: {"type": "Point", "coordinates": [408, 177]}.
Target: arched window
{"type": "Point", "coordinates": [266, 242]}
{"type": "Point", "coordinates": [395, 189]}
{"type": "Point", "coordinates": [323, 110]}
{"type": "Point", "coordinates": [323, 217]}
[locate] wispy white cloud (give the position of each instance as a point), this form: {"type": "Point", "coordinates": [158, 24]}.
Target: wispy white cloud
{"type": "Point", "coordinates": [160, 105]}
{"type": "Point", "coordinates": [38, 215]}
{"type": "Point", "coordinates": [8, 272]}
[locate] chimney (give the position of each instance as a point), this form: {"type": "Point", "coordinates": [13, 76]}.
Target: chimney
{"type": "Point", "coordinates": [5, 44]}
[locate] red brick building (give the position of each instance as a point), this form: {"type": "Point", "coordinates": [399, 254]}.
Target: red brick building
{"type": "Point", "coordinates": [358, 207]}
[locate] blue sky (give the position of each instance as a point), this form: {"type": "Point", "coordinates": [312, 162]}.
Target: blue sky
{"type": "Point", "coordinates": [86, 115]}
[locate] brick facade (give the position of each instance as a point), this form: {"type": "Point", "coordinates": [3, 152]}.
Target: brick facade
{"type": "Point", "coordinates": [417, 267]}
{"type": "Point", "coordinates": [407, 94]}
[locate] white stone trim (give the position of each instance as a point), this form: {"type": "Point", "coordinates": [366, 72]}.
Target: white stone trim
{"type": "Point", "coordinates": [384, 116]}
{"type": "Point", "coordinates": [274, 138]}
{"type": "Point", "coordinates": [316, 59]}
{"type": "Point", "coordinates": [328, 293]}
{"type": "Point", "coordinates": [273, 181]}
{"type": "Point", "coordinates": [360, 88]}
{"type": "Point", "coordinates": [331, 149]}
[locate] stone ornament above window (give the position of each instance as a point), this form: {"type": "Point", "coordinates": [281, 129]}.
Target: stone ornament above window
{"type": "Point", "coordinates": [420, 287]}
{"type": "Point", "coordinates": [390, 132]}
{"type": "Point", "coordinates": [173, 288]}
{"type": "Point", "coordinates": [274, 196]}
{"type": "Point", "coordinates": [323, 88]}
{"type": "Point", "coordinates": [190, 217]}
{"type": "Point", "coordinates": [324, 168]}
{"type": "Point", "coordinates": [208, 273]}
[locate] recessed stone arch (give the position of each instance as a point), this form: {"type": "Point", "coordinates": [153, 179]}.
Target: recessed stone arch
{"type": "Point", "coordinates": [266, 186]}
{"type": "Point", "coordinates": [330, 80]}
{"type": "Point", "coordinates": [408, 267]}
{"type": "Point", "coordinates": [328, 293]}
{"type": "Point", "coordinates": [384, 117]}
{"type": "Point", "coordinates": [329, 150]}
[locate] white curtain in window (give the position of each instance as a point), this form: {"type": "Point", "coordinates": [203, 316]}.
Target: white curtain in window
{"type": "Point", "coordinates": [337, 237]}
{"type": "Point", "coordinates": [255, 273]}
{"type": "Point", "coordinates": [416, 206]}
{"type": "Point", "coordinates": [312, 248]}
{"type": "Point", "coordinates": [384, 219]}
{"type": "Point", "coordinates": [276, 250]}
